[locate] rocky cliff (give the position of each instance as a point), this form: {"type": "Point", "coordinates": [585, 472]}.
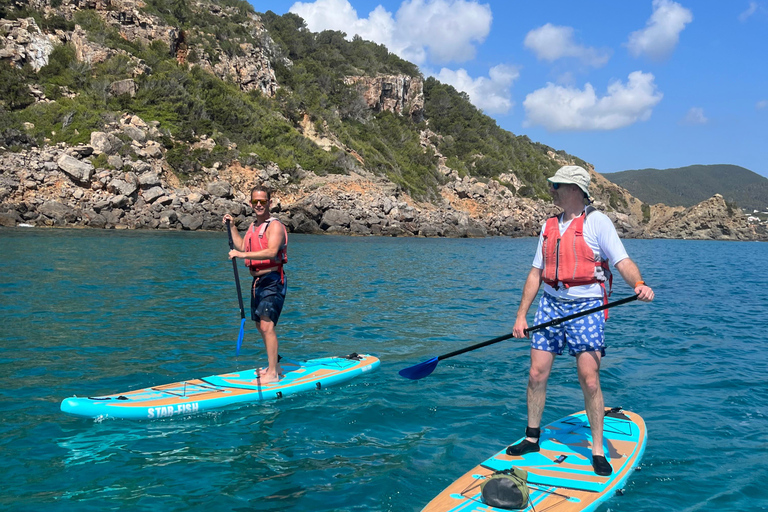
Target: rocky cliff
{"type": "Point", "coordinates": [400, 94]}
{"type": "Point", "coordinates": [22, 41]}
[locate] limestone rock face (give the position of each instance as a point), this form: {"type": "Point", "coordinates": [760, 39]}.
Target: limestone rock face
{"type": "Point", "coordinates": [712, 219]}
{"type": "Point", "coordinates": [401, 94]}
{"type": "Point", "coordinates": [22, 42]}
{"type": "Point", "coordinates": [87, 51]}
{"type": "Point", "coordinates": [252, 70]}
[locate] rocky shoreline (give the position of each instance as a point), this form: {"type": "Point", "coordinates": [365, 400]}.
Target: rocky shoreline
{"type": "Point", "coordinates": [121, 180]}
{"type": "Point", "coordinates": [61, 186]}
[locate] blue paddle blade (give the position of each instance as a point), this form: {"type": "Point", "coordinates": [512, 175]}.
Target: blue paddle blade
{"type": "Point", "coordinates": [240, 337]}
{"type": "Point", "coordinates": [420, 370]}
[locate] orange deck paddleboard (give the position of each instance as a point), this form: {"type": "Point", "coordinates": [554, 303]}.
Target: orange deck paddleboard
{"type": "Point", "coordinates": [560, 476]}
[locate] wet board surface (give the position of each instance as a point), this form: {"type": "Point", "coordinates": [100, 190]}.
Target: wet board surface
{"type": "Point", "coordinates": [199, 395]}
{"type": "Point", "coordinates": [560, 476]}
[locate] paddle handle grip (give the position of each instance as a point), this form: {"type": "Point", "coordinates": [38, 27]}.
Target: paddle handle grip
{"type": "Point", "coordinates": [237, 276]}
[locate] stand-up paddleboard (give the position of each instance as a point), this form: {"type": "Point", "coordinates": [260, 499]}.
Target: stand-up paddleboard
{"type": "Point", "coordinates": [560, 476]}
{"type": "Point", "coordinates": [200, 395]}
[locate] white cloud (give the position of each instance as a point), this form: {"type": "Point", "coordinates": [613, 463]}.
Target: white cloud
{"type": "Point", "coordinates": [761, 104]}
{"type": "Point", "coordinates": [439, 31]}
{"type": "Point", "coordinates": [491, 94]}
{"type": "Point", "coordinates": [551, 42]}
{"type": "Point", "coordinates": [752, 9]}
{"type": "Point", "coordinates": [662, 32]}
{"type": "Point", "coordinates": [559, 108]}
{"type": "Point", "coordinates": [695, 116]}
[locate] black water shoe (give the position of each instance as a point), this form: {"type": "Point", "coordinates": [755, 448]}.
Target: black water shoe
{"type": "Point", "coordinates": [523, 447]}
{"type": "Point", "coordinates": [602, 467]}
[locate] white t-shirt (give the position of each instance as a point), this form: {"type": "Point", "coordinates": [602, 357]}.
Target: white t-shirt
{"type": "Point", "coordinates": [601, 236]}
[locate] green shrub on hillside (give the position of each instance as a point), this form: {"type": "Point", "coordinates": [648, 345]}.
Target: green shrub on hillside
{"type": "Point", "coordinates": [65, 120]}
{"type": "Point", "coordinates": [474, 139]}
{"type": "Point", "coordinates": [14, 92]}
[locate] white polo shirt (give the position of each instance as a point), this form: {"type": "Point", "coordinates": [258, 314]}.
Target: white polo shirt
{"type": "Point", "coordinates": [601, 236]}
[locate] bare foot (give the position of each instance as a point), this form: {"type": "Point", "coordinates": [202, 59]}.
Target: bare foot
{"type": "Point", "coordinates": [268, 378]}
{"type": "Point", "coordinates": [263, 371]}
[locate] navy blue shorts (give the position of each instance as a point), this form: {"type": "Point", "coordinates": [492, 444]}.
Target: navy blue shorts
{"type": "Point", "coordinates": [268, 296]}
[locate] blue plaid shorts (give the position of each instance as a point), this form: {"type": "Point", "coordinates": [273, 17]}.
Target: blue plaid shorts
{"type": "Point", "coordinates": [582, 334]}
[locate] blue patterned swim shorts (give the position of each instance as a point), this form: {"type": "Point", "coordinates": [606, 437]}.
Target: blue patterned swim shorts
{"type": "Point", "coordinates": [582, 334]}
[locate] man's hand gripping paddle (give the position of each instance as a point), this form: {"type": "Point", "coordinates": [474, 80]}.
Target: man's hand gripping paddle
{"type": "Point", "coordinates": [239, 294]}
{"type": "Point", "coordinates": [422, 370]}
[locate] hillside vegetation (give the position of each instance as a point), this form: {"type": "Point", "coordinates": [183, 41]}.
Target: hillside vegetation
{"type": "Point", "coordinates": [189, 101]}
{"type": "Point", "coordinates": [687, 186]}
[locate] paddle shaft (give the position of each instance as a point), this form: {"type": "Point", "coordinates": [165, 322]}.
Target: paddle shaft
{"type": "Point", "coordinates": [237, 276]}
{"type": "Point", "coordinates": [556, 321]}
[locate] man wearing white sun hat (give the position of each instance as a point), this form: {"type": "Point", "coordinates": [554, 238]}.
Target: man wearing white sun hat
{"type": "Point", "coordinates": [572, 261]}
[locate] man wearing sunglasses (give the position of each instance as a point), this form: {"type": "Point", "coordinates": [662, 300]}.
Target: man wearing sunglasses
{"type": "Point", "coordinates": [572, 261]}
{"type": "Point", "coordinates": [265, 250]}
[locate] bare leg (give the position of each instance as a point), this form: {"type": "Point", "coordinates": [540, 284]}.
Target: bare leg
{"type": "Point", "coordinates": [267, 329]}
{"type": "Point", "coordinates": [541, 366]}
{"type": "Point", "coordinates": [588, 364]}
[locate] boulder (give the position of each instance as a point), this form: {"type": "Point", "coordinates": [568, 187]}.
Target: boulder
{"type": "Point", "coordinates": [191, 222]}
{"type": "Point", "coordinates": [220, 189]}
{"type": "Point", "coordinates": [334, 219]}
{"type": "Point", "coordinates": [105, 143]}
{"type": "Point", "coordinates": [59, 213]}
{"type": "Point", "coordinates": [78, 170]}
{"type": "Point", "coordinates": [149, 179]}
{"type": "Point", "coordinates": [121, 87]}
{"type": "Point", "coordinates": [122, 187]}
{"type": "Point", "coordinates": [115, 161]}
{"type": "Point", "coordinates": [95, 220]}
{"type": "Point", "coordinates": [135, 133]}
{"type": "Point", "coordinates": [152, 149]}
{"type": "Point", "coordinates": [119, 201]}
{"type": "Point", "coordinates": [9, 219]}
{"type": "Point", "coordinates": [195, 197]}
{"type": "Point", "coordinates": [151, 194]}
{"type": "Point", "coordinates": [300, 223]}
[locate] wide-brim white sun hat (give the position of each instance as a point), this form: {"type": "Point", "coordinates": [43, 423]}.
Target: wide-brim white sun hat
{"type": "Point", "coordinates": [572, 175]}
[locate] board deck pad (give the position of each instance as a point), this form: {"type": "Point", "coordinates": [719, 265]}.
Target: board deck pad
{"type": "Point", "coordinates": [199, 395]}
{"type": "Point", "coordinates": [560, 476]}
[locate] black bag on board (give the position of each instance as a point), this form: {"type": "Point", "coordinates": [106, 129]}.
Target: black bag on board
{"type": "Point", "coordinates": [506, 489]}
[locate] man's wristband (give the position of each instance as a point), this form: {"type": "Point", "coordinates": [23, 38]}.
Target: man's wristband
{"type": "Point", "coordinates": [639, 283]}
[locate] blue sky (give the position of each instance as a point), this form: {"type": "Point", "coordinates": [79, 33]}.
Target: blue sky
{"type": "Point", "coordinates": [625, 84]}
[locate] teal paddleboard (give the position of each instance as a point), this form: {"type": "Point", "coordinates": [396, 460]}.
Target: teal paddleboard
{"type": "Point", "coordinates": [560, 476]}
{"type": "Point", "coordinates": [199, 395]}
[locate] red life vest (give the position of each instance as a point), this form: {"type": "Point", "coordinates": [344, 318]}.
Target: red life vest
{"type": "Point", "coordinates": [257, 240]}
{"type": "Point", "coordinates": [569, 260]}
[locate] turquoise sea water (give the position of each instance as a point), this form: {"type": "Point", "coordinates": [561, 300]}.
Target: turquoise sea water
{"type": "Point", "coordinates": [95, 312]}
